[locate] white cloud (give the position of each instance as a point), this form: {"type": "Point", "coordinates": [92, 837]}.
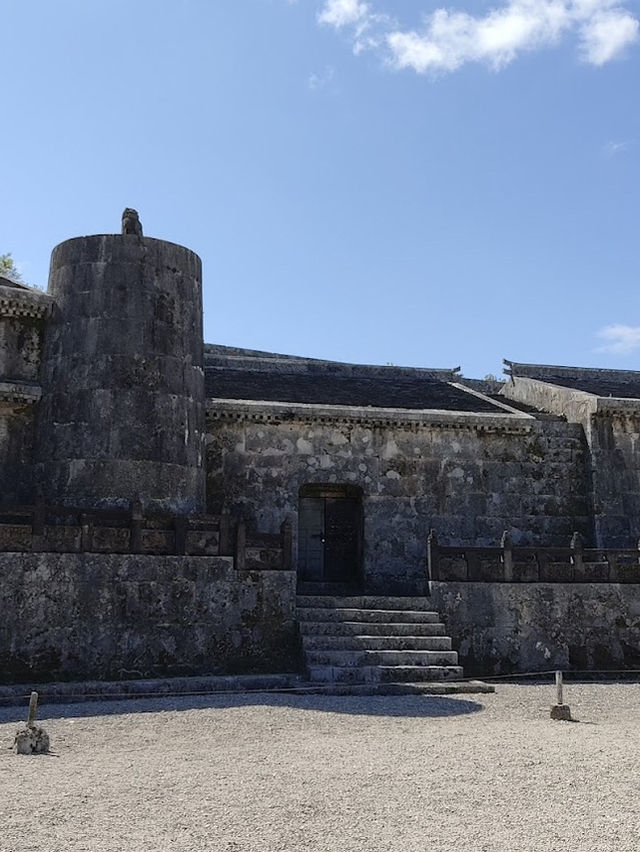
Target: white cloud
{"type": "Point", "coordinates": [621, 339]}
{"type": "Point", "coordinates": [449, 39]}
{"type": "Point", "coordinates": [606, 34]}
{"type": "Point", "coordinates": [342, 13]}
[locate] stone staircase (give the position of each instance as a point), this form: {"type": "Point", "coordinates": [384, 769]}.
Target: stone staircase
{"type": "Point", "coordinates": [365, 641]}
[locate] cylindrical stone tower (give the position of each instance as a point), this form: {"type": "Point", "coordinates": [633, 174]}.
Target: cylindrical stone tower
{"type": "Point", "coordinates": [122, 411]}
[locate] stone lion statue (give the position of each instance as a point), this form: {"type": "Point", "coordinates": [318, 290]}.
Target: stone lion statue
{"type": "Point", "coordinates": [131, 222]}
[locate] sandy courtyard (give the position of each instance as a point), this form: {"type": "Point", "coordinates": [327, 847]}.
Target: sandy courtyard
{"type": "Point", "coordinates": [260, 772]}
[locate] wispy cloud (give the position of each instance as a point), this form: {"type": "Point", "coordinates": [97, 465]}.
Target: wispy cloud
{"type": "Point", "coordinates": [611, 149]}
{"type": "Point", "coordinates": [449, 39]}
{"type": "Point", "coordinates": [620, 339]}
{"type": "Point", "coordinates": [320, 79]}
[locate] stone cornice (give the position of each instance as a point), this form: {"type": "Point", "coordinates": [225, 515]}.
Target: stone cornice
{"type": "Point", "coordinates": [17, 393]}
{"type": "Point", "coordinates": [24, 303]}
{"type": "Point", "coordinates": [270, 412]}
{"type": "Point", "coordinates": [619, 406]}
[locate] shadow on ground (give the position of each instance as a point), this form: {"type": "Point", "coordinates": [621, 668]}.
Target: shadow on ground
{"type": "Point", "coordinates": [407, 706]}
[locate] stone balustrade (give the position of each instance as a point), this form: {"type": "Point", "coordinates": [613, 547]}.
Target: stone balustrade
{"type": "Point", "coordinates": [507, 563]}
{"type": "Point", "coordinates": [55, 529]}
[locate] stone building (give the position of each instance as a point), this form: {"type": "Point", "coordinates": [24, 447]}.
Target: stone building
{"type": "Point", "coordinates": [164, 501]}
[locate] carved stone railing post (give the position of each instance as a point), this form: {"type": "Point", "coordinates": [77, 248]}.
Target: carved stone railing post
{"type": "Point", "coordinates": [286, 540]}
{"type": "Point", "coordinates": [224, 543]}
{"type": "Point", "coordinates": [241, 545]}
{"type": "Point", "coordinates": [433, 568]}
{"type": "Point", "coordinates": [180, 529]}
{"type": "Point", "coordinates": [39, 524]}
{"type": "Point", "coordinates": [507, 556]}
{"type": "Point", "coordinates": [577, 547]}
{"type": "Point", "coordinates": [86, 533]}
{"type": "Point", "coordinates": [135, 527]}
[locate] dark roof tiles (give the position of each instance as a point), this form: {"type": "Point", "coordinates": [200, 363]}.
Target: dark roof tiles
{"type": "Point", "coordinates": [399, 390]}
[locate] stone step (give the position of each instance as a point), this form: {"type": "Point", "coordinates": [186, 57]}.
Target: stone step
{"type": "Point", "coordinates": [384, 674]}
{"type": "Point", "coordinates": [376, 643]}
{"type": "Point", "coordinates": [434, 687]}
{"type": "Point", "coordinates": [326, 589]}
{"type": "Point", "coordinates": [366, 602]}
{"type": "Point", "coordinates": [357, 628]}
{"type": "Point", "coordinates": [367, 615]}
{"type": "Point", "coordinates": [365, 657]}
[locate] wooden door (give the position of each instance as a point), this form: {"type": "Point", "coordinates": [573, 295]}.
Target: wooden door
{"type": "Point", "coordinates": [329, 540]}
{"type": "Point", "coordinates": [311, 539]}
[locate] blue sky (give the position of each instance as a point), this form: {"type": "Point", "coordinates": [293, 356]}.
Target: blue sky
{"type": "Point", "coordinates": [378, 182]}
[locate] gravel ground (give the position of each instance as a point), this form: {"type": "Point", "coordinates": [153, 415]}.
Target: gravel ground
{"type": "Point", "coordinates": [277, 772]}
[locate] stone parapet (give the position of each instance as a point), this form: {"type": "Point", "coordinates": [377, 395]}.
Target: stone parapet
{"type": "Point", "coordinates": [508, 564]}
{"type": "Point", "coordinates": [114, 617]}
{"type": "Point", "coordinates": [503, 628]}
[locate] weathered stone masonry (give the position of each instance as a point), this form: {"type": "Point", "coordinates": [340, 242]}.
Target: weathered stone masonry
{"type": "Point", "coordinates": [153, 489]}
{"type": "Point", "coordinates": [74, 616]}
{"type": "Point", "coordinates": [470, 481]}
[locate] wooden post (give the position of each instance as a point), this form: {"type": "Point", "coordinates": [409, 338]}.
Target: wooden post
{"type": "Point", "coordinates": [507, 556]}
{"type": "Point", "coordinates": [560, 711]}
{"type": "Point", "coordinates": [33, 709]}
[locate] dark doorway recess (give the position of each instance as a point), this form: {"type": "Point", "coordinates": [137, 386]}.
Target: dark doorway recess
{"type": "Point", "coordinates": [330, 536]}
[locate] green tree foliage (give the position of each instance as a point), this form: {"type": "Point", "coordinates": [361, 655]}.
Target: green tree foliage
{"type": "Point", "coordinates": [8, 268]}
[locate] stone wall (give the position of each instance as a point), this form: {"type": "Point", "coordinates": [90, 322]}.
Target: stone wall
{"type": "Point", "coordinates": [612, 433]}
{"type": "Point", "coordinates": [76, 616]}
{"type": "Point", "coordinates": [23, 312]}
{"type": "Point", "coordinates": [615, 438]}
{"type": "Point", "coordinates": [467, 481]}
{"type": "Point", "coordinates": [122, 410]}
{"type": "Point", "coordinates": [498, 628]}
{"type": "Point", "coordinates": [16, 453]}
{"type": "Point", "coordinates": [20, 348]}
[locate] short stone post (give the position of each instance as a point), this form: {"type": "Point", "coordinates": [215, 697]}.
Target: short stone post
{"type": "Point", "coordinates": [86, 533]}
{"type": "Point", "coordinates": [433, 572]}
{"type": "Point", "coordinates": [560, 711]}
{"type": "Point", "coordinates": [241, 546]}
{"type": "Point", "coordinates": [577, 546]}
{"type": "Point", "coordinates": [135, 526]}
{"type": "Point", "coordinates": [507, 556]}
{"type": "Point", "coordinates": [39, 524]}
{"type": "Point", "coordinates": [286, 540]}
{"type": "Point", "coordinates": [180, 529]}
{"type": "Point", "coordinates": [224, 543]}
{"type": "Point", "coordinates": [31, 739]}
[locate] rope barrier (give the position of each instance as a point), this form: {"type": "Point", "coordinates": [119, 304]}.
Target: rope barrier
{"type": "Point", "coordinates": [602, 674]}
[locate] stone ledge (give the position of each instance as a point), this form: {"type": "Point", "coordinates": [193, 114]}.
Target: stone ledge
{"type": "Point", "coordinates": [270, 412]}
{"type": "Point", "coordinates": [122, 690]}
{"type": "Point", "coordinates": [18, 392]}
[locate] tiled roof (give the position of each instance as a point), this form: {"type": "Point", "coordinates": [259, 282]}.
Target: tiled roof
{"type": "Point", "coordinates": [623, 384]}
{"type": "Point", "coordinates": [599, 386]}
{"type": "Point", "coordinates": [397, 389]}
